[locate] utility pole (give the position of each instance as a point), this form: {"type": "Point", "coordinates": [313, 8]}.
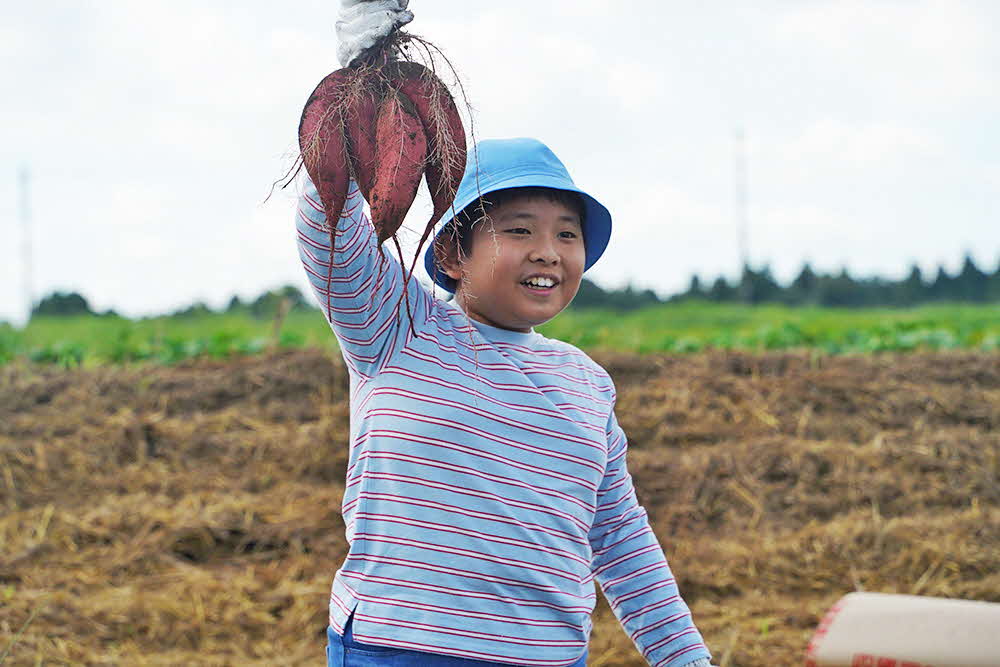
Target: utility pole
{"type": "Point", "coordinates": [740, 206]}
{"type": "Point", "coordinates": [24, 179]}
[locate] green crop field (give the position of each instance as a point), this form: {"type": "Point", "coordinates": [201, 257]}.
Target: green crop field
{"type": "Point", "coordinates": [693, 326]}
{"type": "Point", "coordinates": [674, 328]}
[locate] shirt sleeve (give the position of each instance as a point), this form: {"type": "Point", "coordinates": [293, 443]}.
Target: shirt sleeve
{"type": "Point", "coordinates": [632, 570]}
{"type": "Point", "coordinates": [358, 288]}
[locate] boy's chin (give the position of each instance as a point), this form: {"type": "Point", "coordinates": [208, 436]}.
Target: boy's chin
{"type": "Point", "coordinates": [519, 321]}
{"type": "Point", "coordinates": [514, 315]}
{"type": "Point", "coordinates": [535, 317]}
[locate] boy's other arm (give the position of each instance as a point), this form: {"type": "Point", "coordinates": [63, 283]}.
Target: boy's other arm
{"type": "Point", "coordinates": [632, 570]}
{"type": "Point", "coordinates": [365, 285]}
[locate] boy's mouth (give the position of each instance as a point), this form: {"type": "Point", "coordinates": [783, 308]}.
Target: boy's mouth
{"type": "Point", "coordinates": [540, 284]}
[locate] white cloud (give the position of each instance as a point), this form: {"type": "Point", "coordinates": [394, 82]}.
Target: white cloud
{"type": "Point", "coordinates": [934, 51]}
{"type": "Point", "coordinates": [153, 131]}
{"type": "Point", "coordinates": [662, 236]}
{"type": "Point", "coordinates": [833, 142]}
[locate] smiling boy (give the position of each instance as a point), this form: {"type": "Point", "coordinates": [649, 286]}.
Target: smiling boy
{"type": "Point", "coordinates": [486, 487]}
{"type": "Point", "coordinates": [533, 239]}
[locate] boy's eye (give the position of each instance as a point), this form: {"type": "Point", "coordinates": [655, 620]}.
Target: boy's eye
{"type": "Point", "coordinates": [518, 230]}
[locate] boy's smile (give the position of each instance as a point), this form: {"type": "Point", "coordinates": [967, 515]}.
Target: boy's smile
{"type": "Point", "coordinates": [525, 266]}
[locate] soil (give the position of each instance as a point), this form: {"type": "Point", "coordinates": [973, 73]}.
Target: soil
{"type": "Point", "coordinates": [190, 514]}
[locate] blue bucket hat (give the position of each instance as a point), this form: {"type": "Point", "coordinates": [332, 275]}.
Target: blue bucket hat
{"type": "Point", "coordinates": [518, 163]}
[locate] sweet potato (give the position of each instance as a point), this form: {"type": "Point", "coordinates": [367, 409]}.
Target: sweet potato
{"type": "Point", "coordinates": [443, 125]}
{"type": "Point", "coordinates": [401, 153]}
{"type": "Point", "coordinates": [322, 144]}
{"type": "Point", "coordinates": [446, 145]}
{"type": "Point", "coordinates": [359, 120]}
{"type": "Point", "coordinates": [385, 123]}
{"type": "Point", "coordinates": [324, 154]}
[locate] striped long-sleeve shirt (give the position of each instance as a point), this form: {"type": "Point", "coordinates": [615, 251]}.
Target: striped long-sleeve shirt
{"type": "Point", "coordinates": [486, 485]}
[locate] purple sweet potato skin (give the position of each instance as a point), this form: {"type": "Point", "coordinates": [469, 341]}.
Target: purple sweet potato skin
{"type": "Point", "coordinates": [401, 154]}
{"type": "Point", "coordinates": [322, 144]}
{"type": "Point", "coordinates": [360, 118]}
{"type": "Point", "coordinates": [445, 133]}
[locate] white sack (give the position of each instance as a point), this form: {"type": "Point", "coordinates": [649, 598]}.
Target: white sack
{"type": "Point", "coordinates": [362, 23]}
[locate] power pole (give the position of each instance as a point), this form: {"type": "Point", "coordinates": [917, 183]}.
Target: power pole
{"type": "Point", "coordinates": [24, 179]}
{"type": "Point", "coordinates": [740, 206]}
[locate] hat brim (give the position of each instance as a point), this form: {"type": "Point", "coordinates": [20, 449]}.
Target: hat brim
{"type": "Point", "coordinates": [596, 221]}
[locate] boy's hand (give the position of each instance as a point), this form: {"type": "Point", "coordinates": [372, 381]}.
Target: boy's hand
{"type": "Point", "coordinates": [364, 23]}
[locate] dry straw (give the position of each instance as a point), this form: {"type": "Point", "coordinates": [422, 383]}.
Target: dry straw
{"type": "Point", "coordinates": [190, 515]}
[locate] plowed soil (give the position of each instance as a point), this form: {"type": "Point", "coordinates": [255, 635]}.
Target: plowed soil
{"type": "Point", "coordinates": [190, 514]}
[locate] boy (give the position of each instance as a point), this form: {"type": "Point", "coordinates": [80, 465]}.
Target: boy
{"type": "Point", "coordinates": [486, 483]}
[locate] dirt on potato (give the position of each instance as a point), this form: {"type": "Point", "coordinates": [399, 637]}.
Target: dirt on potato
{"type": "Point", "coordinates": [190, 514]}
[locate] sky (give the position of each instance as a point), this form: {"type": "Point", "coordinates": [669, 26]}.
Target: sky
{"type": "Point", "coordinates": [152, 132]}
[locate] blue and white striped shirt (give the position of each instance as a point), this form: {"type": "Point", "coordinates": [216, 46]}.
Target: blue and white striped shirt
{"type": "Point", "coordinates": [486, 484]}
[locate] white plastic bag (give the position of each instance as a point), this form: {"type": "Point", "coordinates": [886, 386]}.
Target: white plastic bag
{"type": "Point", "coordinates": [362, 23]}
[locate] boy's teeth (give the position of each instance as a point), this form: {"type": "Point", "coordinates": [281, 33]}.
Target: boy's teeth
{"type": "Point", "coordinates": [539, 282]}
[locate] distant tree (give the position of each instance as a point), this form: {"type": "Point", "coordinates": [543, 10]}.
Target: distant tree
{"type": "Point", "coordinates": [721, 291]}
{"type": "Point", "coordinates": [695, 290]}
{"type": "Point", "coordinates": [839, 290]}
{"type": "Point", "coordinates": [911, 290]}
{"type": "Point", "coordinates": [759, 286]}
{"type": "Point", "coordinates": [631, 298]}
{"type": "Point", "coordinates": [62, 304]}
{"type": "Point", "coordinates": [196, 309]}
{"type": "Point", "coordinates": [943, 288]}
{"type": "Point", "coordinates": [875, 292]}
{"type": "Point", "coordinates": [971, 284]}
{"type": "Point", "coordinates": [590, 295]}
{"type": "Point", "coordinates": [647, 297]}
{"type": "Point", "coordinates": [267, 304]}
{"type": "Point", "coordinates": [234, 305]}
{"type": "Point", "coordinates": [993, 286]}
{"type": "Point", "coordinates": [805, 287]}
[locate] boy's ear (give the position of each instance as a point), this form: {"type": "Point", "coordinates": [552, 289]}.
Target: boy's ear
{"type": "Point", "coordinates": [446, 255]}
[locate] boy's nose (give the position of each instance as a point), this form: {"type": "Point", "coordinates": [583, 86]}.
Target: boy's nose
{"type": "Point", "coordinates": [544, 252]}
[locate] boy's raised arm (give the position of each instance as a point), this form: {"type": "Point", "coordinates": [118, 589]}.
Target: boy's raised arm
{"type": "Point", "coordinates": [357, 287]}
{"type": "Point", "coordinates": [632, 570]}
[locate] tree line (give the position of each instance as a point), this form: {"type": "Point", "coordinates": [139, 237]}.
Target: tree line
{"type": "Point", "coordinates": [265, 306]}
{"type": "Point", "coordinates": [970, 285]}
{"type": "Point", "coordinates": [809, 288]}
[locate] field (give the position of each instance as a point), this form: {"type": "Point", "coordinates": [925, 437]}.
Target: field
{"type": "Point", "coordinates": [189, 513]}
{"type": "Point", "coordinates": [675, 328]}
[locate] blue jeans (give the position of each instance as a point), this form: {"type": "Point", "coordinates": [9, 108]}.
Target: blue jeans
{"type": "Point", "coordinates": [347, 652]}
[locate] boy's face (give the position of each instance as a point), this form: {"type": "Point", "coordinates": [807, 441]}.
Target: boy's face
{"type": "Point", "coordinates": [526, 237]}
